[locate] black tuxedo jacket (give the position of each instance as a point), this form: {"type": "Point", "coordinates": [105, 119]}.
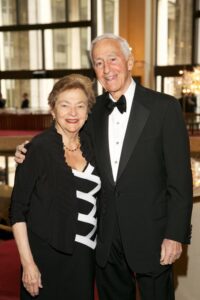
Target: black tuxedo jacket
{"type": "Point", "coordinates": [152, 196]}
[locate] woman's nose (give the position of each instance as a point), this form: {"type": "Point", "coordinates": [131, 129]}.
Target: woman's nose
{"type": "Point", "coordinates": [73, 111]}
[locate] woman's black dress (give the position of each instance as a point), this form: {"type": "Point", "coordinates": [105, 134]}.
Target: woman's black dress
{"type": "Point", "coordinates": [70, 277]}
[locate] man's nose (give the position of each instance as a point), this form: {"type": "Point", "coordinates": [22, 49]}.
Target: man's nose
{"type": "Point", "coordinates": [106, 67]}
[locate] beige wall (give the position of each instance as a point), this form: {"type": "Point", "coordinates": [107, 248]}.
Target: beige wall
{"type": "Point", "coordinates": [132, 28]}
{"type": "Point", "coordinates": [137, 20]}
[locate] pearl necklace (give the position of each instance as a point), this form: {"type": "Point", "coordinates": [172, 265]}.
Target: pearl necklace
{"type": "Point", "coordinates": [74, 149]}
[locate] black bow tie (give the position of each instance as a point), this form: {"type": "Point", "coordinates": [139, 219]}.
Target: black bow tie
{"type": "Point", "coordinates": [120, 104]}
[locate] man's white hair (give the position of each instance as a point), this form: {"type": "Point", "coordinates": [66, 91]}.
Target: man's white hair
{"type": "Point", "coordinates": [126, 49]}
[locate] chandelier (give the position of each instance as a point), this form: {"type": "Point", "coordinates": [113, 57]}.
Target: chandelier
{"type": "Point", "coordinates": [190, 81]}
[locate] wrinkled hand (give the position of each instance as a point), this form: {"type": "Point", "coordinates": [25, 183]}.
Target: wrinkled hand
{"type": "Point", "coordinates": [31, 279]}
{"type": "Point", "coordinates": [170, 251]}
{"type": "Point", "coordinates": [20, 153]}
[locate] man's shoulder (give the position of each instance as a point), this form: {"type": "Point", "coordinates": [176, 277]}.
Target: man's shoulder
{"type": "Point", "coordinates": [154, 93]}
{"type": "Point", "coordinates": [152, 97]}
{"type": "Point", "coordinates": [100, 103]}
{"type": "Point", "coordinates": [101, 98]}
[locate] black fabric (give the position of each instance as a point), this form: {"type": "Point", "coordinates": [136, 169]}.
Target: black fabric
{"type": "Point", "coordinates": [120, 104]}
{"type": "Point", "coordinates": [63, 276]}
{"type": "Point", "coordinates": [156, 286]}
{"type": "Point", "coordinates": [115, 281]}
{"type": "Point", "coordinates": [45, 183]}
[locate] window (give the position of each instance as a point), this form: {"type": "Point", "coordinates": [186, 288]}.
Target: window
{"type": "Point", "coordinates": [174, 32]}
{"type": "Point", "coordinates": [60, 45]}
{"type": "Point", "coordinates": [7, 12]}
{"type": "Point", "coordinates": [21, 50]}
{"type": "Point", "coordinates": [197, 46]}
{"type": "Point", "coordinates": [43, 11]}
{"type": "Point", "coordinates": [43, 40]}
{"type": "Point", "coordinates": [178, 42]}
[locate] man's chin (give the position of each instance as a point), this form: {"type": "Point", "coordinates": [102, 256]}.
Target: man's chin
{"type": "Point", "coordinates": [111, 88]}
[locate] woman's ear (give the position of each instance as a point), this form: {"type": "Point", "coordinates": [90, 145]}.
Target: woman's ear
{"type": "Point", "coordinates": [53, 114]}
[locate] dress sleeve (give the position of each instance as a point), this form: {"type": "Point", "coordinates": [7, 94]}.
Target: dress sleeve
{"type": "Point", "coordinates": [26, 176]}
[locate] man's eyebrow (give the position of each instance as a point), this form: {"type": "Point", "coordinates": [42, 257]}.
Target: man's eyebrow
{"type": "Point", "coordinates": [98, 58]}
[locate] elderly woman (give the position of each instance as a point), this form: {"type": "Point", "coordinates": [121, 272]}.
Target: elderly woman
{"type": "Point", "coordinates": [53, 208]}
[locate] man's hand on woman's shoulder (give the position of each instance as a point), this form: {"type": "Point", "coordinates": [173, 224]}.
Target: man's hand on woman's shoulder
{"type": "Point", "coordinates": [20, 153]}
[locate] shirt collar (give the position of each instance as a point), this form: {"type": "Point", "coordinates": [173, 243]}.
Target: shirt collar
{"type": "Point", "coordinates": [129, 94]}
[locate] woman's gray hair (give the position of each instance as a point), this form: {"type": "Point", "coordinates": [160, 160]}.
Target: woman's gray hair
{"type": "Point", "coordinates": [126, 49]}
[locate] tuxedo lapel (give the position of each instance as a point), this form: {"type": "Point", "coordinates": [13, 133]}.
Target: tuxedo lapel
{"type": "Point", "coordinates": [101, 141]}
{"type": "Point", "coordinates": [137, 120]}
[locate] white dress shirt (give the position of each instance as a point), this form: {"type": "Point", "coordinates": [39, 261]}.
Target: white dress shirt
{"type": "Point", "coordinates": [117, 125]}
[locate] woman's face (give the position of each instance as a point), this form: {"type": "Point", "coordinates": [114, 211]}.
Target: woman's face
{"type": "Point", "coordinates": [71, 110]}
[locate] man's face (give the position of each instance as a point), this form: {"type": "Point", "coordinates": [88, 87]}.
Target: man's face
{"type": "Point", "coordinates": [112, 68]}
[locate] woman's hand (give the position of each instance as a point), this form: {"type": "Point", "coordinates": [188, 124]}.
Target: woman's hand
{"type": "Point", "coordinates": [20, 153]}
{"type": "Point", "coordinates": [31, 276]}
{"type": "Point", "coordinates": [31, 279]}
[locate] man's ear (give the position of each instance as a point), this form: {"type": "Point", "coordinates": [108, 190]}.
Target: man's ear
{"type": "Point", "coordinates": [130, 62]}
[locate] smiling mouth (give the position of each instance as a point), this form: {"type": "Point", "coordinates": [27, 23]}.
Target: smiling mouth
{"type": "Point", "coordinates": [74, 121]}
{"type": "Point", "coordinates": [110, 78]}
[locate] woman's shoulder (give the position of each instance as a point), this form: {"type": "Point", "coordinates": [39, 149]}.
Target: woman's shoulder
{"type": "Point", "coordinates": [41, 138]}
{"type": "Point", "coordinates": [41, 141]}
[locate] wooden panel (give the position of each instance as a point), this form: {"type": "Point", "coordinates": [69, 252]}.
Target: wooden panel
{"type": "Point", "coordinates": [24, 121]}
{"type": "Point", "coordinates": [132, 28]}
{"type": "Point", "coordinates": [195, 144]}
